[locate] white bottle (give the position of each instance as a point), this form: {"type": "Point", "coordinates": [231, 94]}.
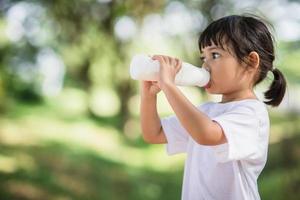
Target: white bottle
{"type": "Point", "coordinates": [143, 67]}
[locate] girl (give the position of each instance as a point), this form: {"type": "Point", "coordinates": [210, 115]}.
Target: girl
{"type": "Point", "coordinates": [226, 142]}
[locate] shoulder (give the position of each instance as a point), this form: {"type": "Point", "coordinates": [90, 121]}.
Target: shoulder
{"type": "Point", "coordinates": [253, 108]}
{"type": "Point", "coordinates": [252, 105]}
{"type": "Point", "coordinates": [205, 104]}
{"type": "Point", "coordinates": [207, 107]}
{"type": "Point", "coordinates": [249, 107]}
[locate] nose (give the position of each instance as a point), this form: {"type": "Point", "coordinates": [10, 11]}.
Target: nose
{"type": "Point", "coordinates": [206, 67]}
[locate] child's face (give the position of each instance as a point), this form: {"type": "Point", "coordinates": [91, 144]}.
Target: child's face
{"type": "Point", "coordinates": [227, 74]}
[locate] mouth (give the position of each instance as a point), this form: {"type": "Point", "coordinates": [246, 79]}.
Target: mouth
{"type": "Point", "coordinates": [207, 85]}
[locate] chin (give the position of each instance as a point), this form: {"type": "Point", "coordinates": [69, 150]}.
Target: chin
{"type": "Point", "coordinates": [211, 91]}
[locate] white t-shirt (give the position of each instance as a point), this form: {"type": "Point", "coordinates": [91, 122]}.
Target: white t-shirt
{"type": "Point", "coordinates": [228, 171]}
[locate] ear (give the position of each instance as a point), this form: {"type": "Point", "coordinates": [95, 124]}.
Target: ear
{"type": "Point", "coordinates": [254, 60]}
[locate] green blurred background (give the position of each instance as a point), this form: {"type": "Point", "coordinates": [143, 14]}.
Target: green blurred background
{"type": "Point", "coordinates": [69, 112]}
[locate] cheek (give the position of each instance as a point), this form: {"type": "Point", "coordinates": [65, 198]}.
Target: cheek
{"type": "Point", "coordinates": [223, 75]}
{"type": "Point", "coordinates": [223, 80]}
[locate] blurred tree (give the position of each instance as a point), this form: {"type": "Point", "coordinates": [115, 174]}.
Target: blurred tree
{"type": "Point", "coordinates": [76, 19]}
{"type": "Point", "coordinates": [83, 34]}
{"type": "Point", "coordinates": [84, 29]}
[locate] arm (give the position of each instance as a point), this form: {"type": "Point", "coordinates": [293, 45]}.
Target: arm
{"type": "Point", "coordinates": [150, 122]}
{"type": "Point", "coordinates": [200, 127]}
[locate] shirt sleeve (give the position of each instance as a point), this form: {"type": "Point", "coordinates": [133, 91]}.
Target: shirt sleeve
{"type": "Point", "coordinates": [177, 136]}
{"type": "Point", "coordinates": [241, 128]}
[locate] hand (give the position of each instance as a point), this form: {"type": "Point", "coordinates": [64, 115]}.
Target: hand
{"type": "Point", "coordinates": [169, 67]}
{"type": "Point", "coordinates": [150, 88]}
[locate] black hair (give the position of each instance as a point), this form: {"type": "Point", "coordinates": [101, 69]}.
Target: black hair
{"type": "Point", "coordinates": [243, 34]}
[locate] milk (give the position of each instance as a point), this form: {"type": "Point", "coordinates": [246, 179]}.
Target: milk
{"type": "Point", "coordinates": [143, 67]}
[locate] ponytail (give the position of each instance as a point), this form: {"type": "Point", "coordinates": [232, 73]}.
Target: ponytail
{"type": "Point", "coordinates": [276, 91]}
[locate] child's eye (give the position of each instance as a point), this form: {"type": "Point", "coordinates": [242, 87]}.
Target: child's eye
{"type": "Point", "coordinates": [215, 55]}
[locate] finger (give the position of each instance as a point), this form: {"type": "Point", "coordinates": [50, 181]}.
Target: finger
{"type": "Point", "coordinates": [178, 65]}
{"type": "Point", "coordinates": [146, 83]}
{"type": "Point", "coordinates": [159, 58]}
{"type": "Point", "coordinates": [153, 82]}
{"type": "Point", "coordinates": [165, 58]}
{"type": "Point", "coordinates": [174, 62]}
{"type": "Point", "coordinates": [169, 60]}
{"type": "Point", "coordinates": [156, 56]}
{"type": "Point", "coordinates": [156, 84]}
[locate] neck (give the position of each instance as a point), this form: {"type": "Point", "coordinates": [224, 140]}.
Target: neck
{"type": "Point", "coordinates": [238, 95]}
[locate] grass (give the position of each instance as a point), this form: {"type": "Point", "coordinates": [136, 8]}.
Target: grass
{"type": "Point", "coordinates": [48, 156]}
{"type": "Point", "coordinates": [59, 172]}
{"type": "Point", "coordinates": [45, 154]}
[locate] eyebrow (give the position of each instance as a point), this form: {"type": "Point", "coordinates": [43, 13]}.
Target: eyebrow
{"type": "Point", "coordinates": [211, 48]}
